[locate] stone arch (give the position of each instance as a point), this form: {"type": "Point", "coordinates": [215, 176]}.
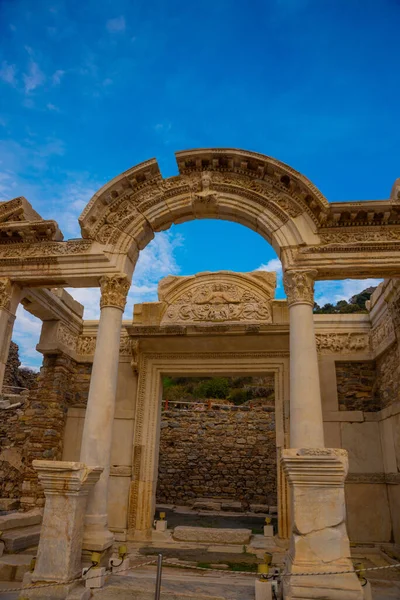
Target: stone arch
{"type": "Point", "coordinates": [257, 191]}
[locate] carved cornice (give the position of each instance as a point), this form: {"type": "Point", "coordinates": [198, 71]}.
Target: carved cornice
{"type": "Point", "coordinates": [325, 467]}
{"type": "Point", "coordinates": [5, 292]}
{"type": "Point", "coordinates": [114, 290]}
{"type": "Point", "coordinates": [357, 234]}
{"type": "Point", "coordinates": [299, 287]}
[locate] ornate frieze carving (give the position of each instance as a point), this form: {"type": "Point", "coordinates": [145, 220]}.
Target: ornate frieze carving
{"type": "Point", "coordinates": [86, 344]}
{"type": "Point", "coordinates": [67, 337]}
{"type": "Point", "coordinates": [381, 234]}
{"type": "Point", "coordinates": [13, 251]}
{"type": "Point", "coordinates": [5, 292]}
{"type": "Point", "coordinates": [299, 287]}
{"type": "Point", "coordinates": [114, 290]}
{"type": "Point", "coordinates": [384, 330]}
{"type": "Point", "coordinates": [342, 342]}
{"type": "Point", "coordinates": [218, 302]}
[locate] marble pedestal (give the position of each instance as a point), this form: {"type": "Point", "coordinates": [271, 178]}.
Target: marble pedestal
{"type": "Point", "coordinates": [319, 541]}
{"type": "Point", "coordinates": [66, 486]}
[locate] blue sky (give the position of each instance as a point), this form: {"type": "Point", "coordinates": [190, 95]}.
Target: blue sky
{"type": "Point", "coordinates": [88, 89]}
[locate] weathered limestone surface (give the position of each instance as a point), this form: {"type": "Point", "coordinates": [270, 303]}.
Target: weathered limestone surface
{"type": "Point", "coordinates": [226, 454]}
{"type": "Point", "coordinates": [212, 535]}
{"type": "Point", "coordinates": [66, 486]}
{"type": "Point", "coordinates": [14, 520]}
{"type": "Point", "coordinates": [319, 541]}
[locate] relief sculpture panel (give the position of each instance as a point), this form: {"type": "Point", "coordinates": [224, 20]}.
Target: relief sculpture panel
{"type": "Point", "coordinates": [218, 297]}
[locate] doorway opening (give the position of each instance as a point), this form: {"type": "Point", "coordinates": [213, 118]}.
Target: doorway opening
{"type": "Point", "coordinates": [218, 459]}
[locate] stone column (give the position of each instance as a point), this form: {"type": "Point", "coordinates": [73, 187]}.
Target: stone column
{"type": "Point", "coordinates": [66, 486]}
{"type": "Point", "coordinates": [316, 475]}
{"type": "Point", "coordinates": [10, 296]}
{"type": "Point", "coordinates": [97, 431]}
{"type": "Point", "coordinates": [306, 425]}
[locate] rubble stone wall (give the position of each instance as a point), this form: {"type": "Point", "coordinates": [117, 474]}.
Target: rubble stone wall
{"type": "Point", "coordinates": [227, 454]}
{"type": "Point", "coordinates": [35, 429]}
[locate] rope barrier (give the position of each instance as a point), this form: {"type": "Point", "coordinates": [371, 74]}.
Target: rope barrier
{"type": "Point", "coordinates": [169, 563]}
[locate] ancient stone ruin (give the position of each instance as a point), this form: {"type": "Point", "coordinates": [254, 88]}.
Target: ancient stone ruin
{"type": "Point", "coordinates": [84, 443]}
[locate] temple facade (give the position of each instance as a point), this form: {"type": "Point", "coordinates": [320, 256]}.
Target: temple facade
{"type": "Point", "coordinates": [92, 423]}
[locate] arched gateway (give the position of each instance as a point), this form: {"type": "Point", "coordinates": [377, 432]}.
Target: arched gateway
{"type": "Point", "coordinates": [314, 240]}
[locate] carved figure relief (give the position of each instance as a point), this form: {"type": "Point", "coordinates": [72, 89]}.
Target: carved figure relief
{"type": "Point", "coordinates": [219, 302]}
{"type": "Point", "coordinates": [342, 342]}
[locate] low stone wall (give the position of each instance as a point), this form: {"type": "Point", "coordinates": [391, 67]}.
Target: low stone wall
{"type": "Point", "coordinates": [228, 454]}
{"type": "Point", "coordinates": [357, 386]}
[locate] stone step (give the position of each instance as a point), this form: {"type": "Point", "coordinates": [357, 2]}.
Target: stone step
{"type": "Point", "coordinates": [212, 535]}
{"type": "Point", "coordinates": [20, 539]}
{"type": "Point", "coordinates": [21, 519]}
{"type": "Point", "coordinates": [14, 566]}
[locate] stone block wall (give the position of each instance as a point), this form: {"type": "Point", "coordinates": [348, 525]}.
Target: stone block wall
{"type": "Point", "coordinates": [357, 386]}
{"type": "Point", "coordinates": [223, 453]}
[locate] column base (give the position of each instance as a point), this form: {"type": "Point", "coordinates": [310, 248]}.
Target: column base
{"type": "Point", "coordinates": [64, 591]}
{"type": "Point", "coordinates": [66, 486]}
{"type": "Point", "coordinates": [97, 540]}
{"type": "Point", "coordinates": [328, 587]}
{"type": "Point", "coordinates": [319, 541]}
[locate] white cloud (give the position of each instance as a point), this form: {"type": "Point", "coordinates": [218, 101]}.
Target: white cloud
{"type": "Point", "coordinates": [116, 25]}
{"type": "Point", "coordinates": [57, 76]}
{"type": "Point", "coordinates": [34, 78]}
{"type": "Point", "coordinates": [26, 334]}
{"type": "Point", "coordinates": [52, 107]}
{"type": "Point", "coordinates": [8, 72]}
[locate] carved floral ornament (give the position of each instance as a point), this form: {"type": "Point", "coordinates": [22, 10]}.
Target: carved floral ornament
{"type": "Point", "coordinates": [299, 287]}
{"type": "Point", "coordinates": [114, 290]}
{"type": "Point", "coordinates": [5, 292]}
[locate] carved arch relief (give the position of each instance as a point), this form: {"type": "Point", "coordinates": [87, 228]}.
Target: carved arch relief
{"type": "Point", "coordinates": [218, 297]}
{"type": "Point", "coordinates": [254, 190]}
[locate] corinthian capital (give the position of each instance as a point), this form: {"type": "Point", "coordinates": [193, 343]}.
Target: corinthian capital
{"type": "Point", "coordinates": [5, 292]}
{"type": "Point", "coordinates": [114, 289]}
{"type": "Point", "coordinates": [299, 287]}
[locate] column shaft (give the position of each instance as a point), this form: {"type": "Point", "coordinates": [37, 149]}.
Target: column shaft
{"type": "Point", "coordinates": [99, 418]}
{"type": "Point", "coordinates": [306, 424]}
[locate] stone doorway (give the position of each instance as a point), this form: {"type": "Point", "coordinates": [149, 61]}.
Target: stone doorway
{"type": "Point", "coordinates": [217, 460]}
{"type": "Point", "coordinates": [148, 421]}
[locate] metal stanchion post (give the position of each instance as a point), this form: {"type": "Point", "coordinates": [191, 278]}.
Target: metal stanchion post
{"type": "Point", "coordinates": [158, 577]}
